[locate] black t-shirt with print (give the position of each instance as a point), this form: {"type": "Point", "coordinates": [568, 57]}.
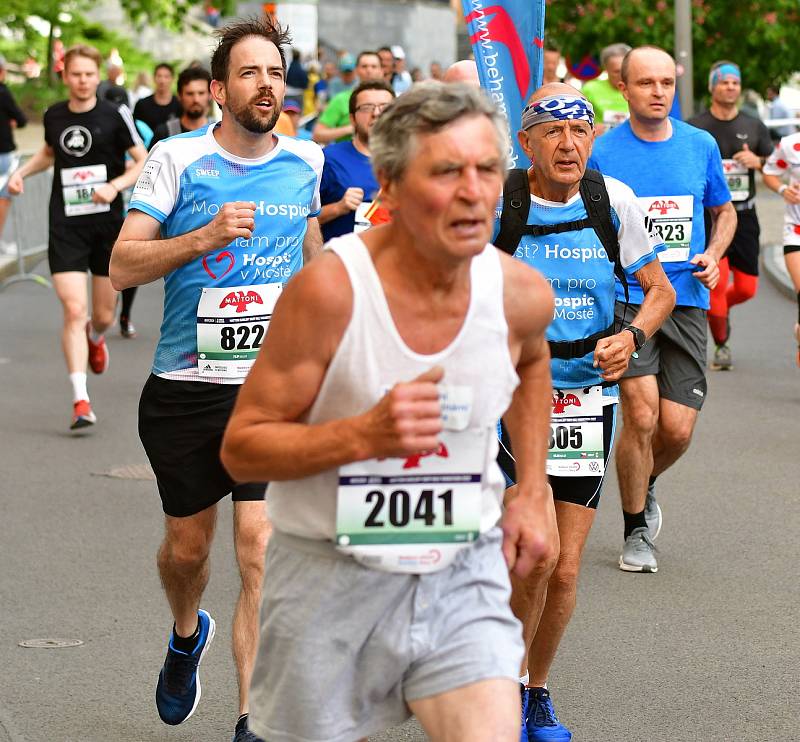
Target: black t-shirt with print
{"type": "Point", "coordinates": [732, 135]}
{"type": "Point", "coordinates": [84, 144]}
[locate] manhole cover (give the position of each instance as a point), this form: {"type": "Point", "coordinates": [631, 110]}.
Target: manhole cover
{"type": "Point", "coordinates": [50, 643]}
{"type": "Point", "coordinates": [129, 471]}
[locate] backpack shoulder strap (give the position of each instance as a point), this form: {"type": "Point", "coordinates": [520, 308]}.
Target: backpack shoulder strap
{"type": "Point", "coordinates": [516, 205]}
{"type": "Point", "coordinates": [598, 208]}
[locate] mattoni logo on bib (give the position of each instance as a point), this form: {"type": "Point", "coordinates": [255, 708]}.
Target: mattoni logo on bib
{"type": "Point", "coordinates": [240, 300]}
{"type": "Point", "coordinates": [663, 206]}
{"type": "Point", "coordinates": [561, 401]}
{"type": "Point", "coordinates": [413, 462]}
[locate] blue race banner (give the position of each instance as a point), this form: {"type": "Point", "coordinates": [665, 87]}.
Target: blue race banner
{"type": "Point", "coordinates": [507, 38]}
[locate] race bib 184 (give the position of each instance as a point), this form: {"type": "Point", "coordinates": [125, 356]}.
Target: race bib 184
{"type": "Point", "coordinates": [78, 185]}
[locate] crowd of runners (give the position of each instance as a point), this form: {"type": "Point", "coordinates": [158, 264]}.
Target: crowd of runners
{"type": "Point", "coordinates": [429, 402]}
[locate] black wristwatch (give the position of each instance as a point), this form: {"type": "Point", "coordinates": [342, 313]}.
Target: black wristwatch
{"type": "Point", "coordinates": [639, 338]}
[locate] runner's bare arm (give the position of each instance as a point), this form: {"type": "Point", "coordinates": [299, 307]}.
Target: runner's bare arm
{"type": "Point", "coordinates": [264, 441]}
{"type": "Point", "coordinates": [323, 134]}
{"type": "Point", "coordinates": [724, 227]}
{"type": "Point", "coordinates": [312, 242]}
{"type": "Point", "coordinates": [107, 192]}
{"type": "Point", "coordinates": [790, 194]}
{"type": "Point", "coordinates": [42, 160]}
{"type": "Point", "coordinates": [140, 256]}
{"type": "Point", "coordinates": [529, 525]}
{"type": "Point", "coordinates": [612, 354]}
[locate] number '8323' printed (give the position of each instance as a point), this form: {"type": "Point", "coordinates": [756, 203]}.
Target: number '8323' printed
{"type": "Point", "coordinates": [231, 326]}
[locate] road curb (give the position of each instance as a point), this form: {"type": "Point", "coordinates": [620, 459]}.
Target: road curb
{"type": "Point", "coordinates": [774, 266]}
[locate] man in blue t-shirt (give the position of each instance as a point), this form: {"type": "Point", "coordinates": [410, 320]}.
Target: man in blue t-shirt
{"type": "Point", "coordinates": [676, 171]}
{"type": "Point", "coordinates": [226, 215]}
{"type": "Point", "coordinates": [348, 185]}
{"type": "Point", "coordinates": [589, 353]}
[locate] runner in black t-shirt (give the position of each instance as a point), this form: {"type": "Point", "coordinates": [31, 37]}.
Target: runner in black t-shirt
{"type": "Point", "coordinates": [85, 140]}
{"type": "Point", "coordinates": [744, 143]}
{"type": "Point", "coordinates": [194, 97]}
{"type": "Point", "coordinates": [162, 106]}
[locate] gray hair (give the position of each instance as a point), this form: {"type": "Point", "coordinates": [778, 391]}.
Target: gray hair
{"type": "Point", "coordinates": [426, 109]}
{"type": "Point", "coordinates": [613, 50]}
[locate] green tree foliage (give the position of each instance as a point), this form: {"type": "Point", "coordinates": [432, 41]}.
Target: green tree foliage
{"type": "Point", "coordinates": [761, 36]}
{"type": "Point", "coordinates": [169, 13]}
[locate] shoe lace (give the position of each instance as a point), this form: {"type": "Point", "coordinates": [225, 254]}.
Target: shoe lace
{"type": "Point", "coordinates": [178, 671]}
{"type": "Point", "coordinates": [543, 712]}
{"type": "Point", "coordinates": [645, 543]}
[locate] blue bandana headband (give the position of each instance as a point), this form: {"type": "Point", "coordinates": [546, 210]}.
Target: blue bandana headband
{"type": "Point", "coordinates": [557, 108]}
{"type": "Point", "coordinates": [718, 74]}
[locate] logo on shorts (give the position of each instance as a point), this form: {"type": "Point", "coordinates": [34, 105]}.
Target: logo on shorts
{"type": "Point", "coordinates": [698, 392]}
{"type": "Point", "coordinates": [662, 206]}
{"type": "Point", "coordinates": [561, 401]}
{"type": "Point", "coordinates": [240, 300]}
{"type": "Point", "coordinates": [76, 140]}
{"type": "Point", "coordinates": [413, 462]}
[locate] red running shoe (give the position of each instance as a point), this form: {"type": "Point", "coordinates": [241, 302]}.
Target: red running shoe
{"type": "Point", "coordinates": [82, 415]}
{"type": "Point", "coordinates": [98, 352]}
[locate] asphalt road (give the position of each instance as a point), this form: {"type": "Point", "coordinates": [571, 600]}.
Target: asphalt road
{"type": "Point", "coordinates": [708, 649]}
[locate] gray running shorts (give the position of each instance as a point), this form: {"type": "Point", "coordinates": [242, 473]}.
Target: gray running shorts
{"type": "Point", "coordinates": [343, 647]}
{"type": "Point", "coordinates": [675, 355]}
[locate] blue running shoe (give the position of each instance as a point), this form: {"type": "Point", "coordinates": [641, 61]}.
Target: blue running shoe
{"type": "Point", "coordinates": [525, 694]}
{"type": "Point", "coordinates": [178, 689]}
{"type": "Point", "coordinates": [543, 724]}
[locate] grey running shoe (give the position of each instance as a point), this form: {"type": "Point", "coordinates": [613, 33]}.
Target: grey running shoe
{"type": "Point", "coordinates": [638, 554]}
{"type": "Point", "coordinates": [652, 513]}
{"type": "Point", "coordinates": [722, 358]}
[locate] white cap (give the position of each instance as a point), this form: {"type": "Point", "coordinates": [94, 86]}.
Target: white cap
{"type": "Point", "coordinates": [397, 52]}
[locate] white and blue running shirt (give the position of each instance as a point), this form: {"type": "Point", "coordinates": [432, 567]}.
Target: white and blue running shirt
{"type": "Point", "coordinates": [184, 183]}
{"type": "Point", "coordinates": [579, 272]}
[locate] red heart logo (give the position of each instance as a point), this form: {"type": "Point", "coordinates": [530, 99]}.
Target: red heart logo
{"type": "Point", "coordinates": [539, 42]}
{"type": "Point", "coordinates": [231, 262]}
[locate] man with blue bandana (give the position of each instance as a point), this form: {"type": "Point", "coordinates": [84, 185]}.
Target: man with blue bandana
{"type": "Point", "coordinates": [676, 171]}
{"type": "Point", "coordinates": [227, 215]}
{"type": "Point", "coordinates": [589, 353]}
{"type": "Point", "coordinates": [744, 143]}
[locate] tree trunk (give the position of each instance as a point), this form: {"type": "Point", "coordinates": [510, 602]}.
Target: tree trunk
{"type": "Point", "coordinates": [52, 75]}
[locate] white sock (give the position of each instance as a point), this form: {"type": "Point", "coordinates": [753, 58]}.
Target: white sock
{"type": "Point", "coordinates": [95, 336]}
{"type": "Point", "coordinates": [79, 391]}
{"type": "Point", "coordinates": [525, 678]}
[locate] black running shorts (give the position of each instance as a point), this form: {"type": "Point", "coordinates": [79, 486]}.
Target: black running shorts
{"type": "Point", "coordinates": [577, 490]}
{"type": "Point", "coordinates": [675, 355]}
{"type": "Point", "coordinates": [743, 251]}
{"type": "Point", "coordinates": [82, 247]}
{"type": "Point", "coordinates": [181, 424]}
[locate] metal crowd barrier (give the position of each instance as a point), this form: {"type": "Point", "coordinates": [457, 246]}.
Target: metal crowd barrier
{"type": "Point", "coordinates": [29, 219]}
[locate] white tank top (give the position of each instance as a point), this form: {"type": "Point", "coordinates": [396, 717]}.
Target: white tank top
{"type": "Point", "coordinates": [372, 358]}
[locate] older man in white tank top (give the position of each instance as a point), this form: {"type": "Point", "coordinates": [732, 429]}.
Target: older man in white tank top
{"type": "Point", "coordinates": [372, 409]}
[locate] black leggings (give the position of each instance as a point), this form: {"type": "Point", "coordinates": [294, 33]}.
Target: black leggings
{"type": "Point", "coordinates": [127, 301]}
